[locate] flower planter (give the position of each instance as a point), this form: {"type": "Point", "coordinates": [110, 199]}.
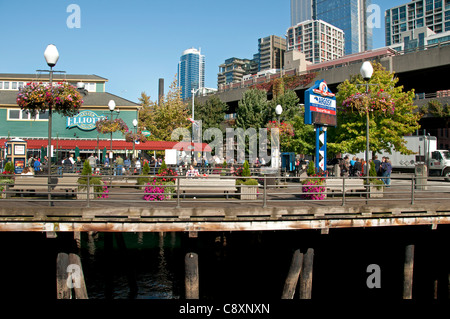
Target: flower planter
{"type": "Point", "coordinates": [82, 192]}
{"type": "Point", "coordinates": [376, 191]}
{"type": "Point", "coordinates": [248, 192]}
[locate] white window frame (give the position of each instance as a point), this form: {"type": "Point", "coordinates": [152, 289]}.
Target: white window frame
{"type": "Point", "coordinates": [24, 116]}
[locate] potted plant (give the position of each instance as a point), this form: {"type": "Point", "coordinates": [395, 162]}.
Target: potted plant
{"type": "Point", "coordinates": [96, 185]}
{"type": "Point", "coordinates": [248, 186]}
{"type": "Point", "coordinates": [375, 184]}
{"type": "Point", "coordinates": [6, 179]}
{"type": "Point", "coordinates": [314, 187]}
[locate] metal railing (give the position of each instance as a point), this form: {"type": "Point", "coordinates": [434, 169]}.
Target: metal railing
{"type": "Point", "coordinates": [289, 191]}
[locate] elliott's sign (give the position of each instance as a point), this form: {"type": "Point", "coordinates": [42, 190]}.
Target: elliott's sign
{"type": "Point", "coordinates": [84, 120]}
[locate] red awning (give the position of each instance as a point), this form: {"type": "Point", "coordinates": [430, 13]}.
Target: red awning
{"type": "Point", "coordinates": [36, 144]}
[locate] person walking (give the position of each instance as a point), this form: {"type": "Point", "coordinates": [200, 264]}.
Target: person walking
{"type": "Point", "coordinates": [119, 165]}
{"type": "Point", "coordinates": [386, 168]}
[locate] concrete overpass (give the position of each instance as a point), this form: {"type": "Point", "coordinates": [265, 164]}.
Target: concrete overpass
{"type": "Point", "coordinates": [425, 71]}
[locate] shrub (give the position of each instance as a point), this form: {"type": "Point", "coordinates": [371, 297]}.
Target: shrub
{"type": "Point", "coordinates": [145, 172]}
{"type": "Point", "coordinates": [96, 182]}
{"type": "Point", "coordinates": [311, 170]}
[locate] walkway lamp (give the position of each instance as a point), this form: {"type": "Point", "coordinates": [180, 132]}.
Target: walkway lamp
{"type": "Point", "coordinates": [135, 123]}
{"type": "Point", "coordinates": [111, 106]}
{"type": "Point", "coordinates": [366, 72]}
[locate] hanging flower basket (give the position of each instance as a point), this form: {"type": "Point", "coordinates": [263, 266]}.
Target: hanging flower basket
{"type": "Point", "coordinates": [138, 137]}
{"type": "Point", "coordinates": [105, 126]}
{"type": "Point", "coordinates": [363, 102]}
{"type": "Point", "coordinates": [38, 97]}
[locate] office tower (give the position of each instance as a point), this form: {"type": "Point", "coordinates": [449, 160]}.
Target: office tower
{"type": "Point", "coordinates": [412, 23]}
{"type": "Point", "coordinates": [271, 50]}
{"type": "Point", "coordinates": [318, 40]}
{"type": "Point", "coordinates": [301, 10]}
{"type": "Point", "coordinates": [233, 69]}
{"type": "Point", "coordinates": [348, 15]}
{"type": "Point", "coordinates": [191, 72]}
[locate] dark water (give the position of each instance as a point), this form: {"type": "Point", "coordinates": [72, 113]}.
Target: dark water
{"type": "Point", "coordinates": [236, 265]}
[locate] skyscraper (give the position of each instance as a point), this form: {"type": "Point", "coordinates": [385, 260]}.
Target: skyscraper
{"type": "Point", "coordinates": [412, 23]}
{"type": "Point", "coordinates": [191, 72]}
{"type": "Point", "coordinates": [348, 15]}
{"type": "Point", "coordinates": [318, 40]}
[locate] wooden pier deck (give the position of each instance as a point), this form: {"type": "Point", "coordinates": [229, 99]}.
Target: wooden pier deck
{"type": "Point", "coordinates": [276, 208]}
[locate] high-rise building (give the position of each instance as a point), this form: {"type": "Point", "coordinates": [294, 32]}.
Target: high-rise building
{"type": "Point", "coordinates": [318, 40]}
{"type": "Point", "coordinates": [348, 15]}
{"type": "Point", "coordinates": [301, 10]}
{"type": "Point", "coordinates": [271, 50]}
{"type": "Point", "coordinates": [233, 70]}
{"type": "Point", "coordinates": [406, 23]}
{"type": "Point", "coordinates": [191, 72]}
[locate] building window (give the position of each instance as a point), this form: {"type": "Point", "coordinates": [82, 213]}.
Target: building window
{"type": "Point", "coordinates": [6, 85]}
{"type": "Point", "coordinates": [14, 85]}
{"type": "Point", "coordinates": [22, 115]}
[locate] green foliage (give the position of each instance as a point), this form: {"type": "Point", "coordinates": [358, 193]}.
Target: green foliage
{"type": "Point", "coordinates": [169, 189]}
{"type": "Point", "coordinates": [211, 113]}
{"type": "Point", "coordinates": [247, 181]}
{"type": "Point", "coordinates": [289, 101]}
{"type": "Point", "coordinates": [162, 168]}
{"type": "Point", "coordinates": [246, 169]}
{"type": "Point", "coordinates": [252, 110]}
{"type": "Point", "coordinates": [311, 170]}
{"type": "Point", "coordinates": [161, 119]}
{"type": "Point", "coordinates": [142, 179]}
{"type": "Point", "coordinates": [93, 181]}
{"type": "Point", "coordinates": [387, 129]}
{"type": "Point", "coordinates": [9, 167]}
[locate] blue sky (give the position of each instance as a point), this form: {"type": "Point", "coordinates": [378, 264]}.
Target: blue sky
{"type": "Point", "coordinates": [134, 43]}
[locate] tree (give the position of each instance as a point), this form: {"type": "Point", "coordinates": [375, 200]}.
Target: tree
{"type": "Point", "coordinates": [289, 101]}
{"type": "Point", "coordinates": [211, 113]}
{"type": "Point", "coordinates": [252, 110]}
{"type": "Point", "coordinates": [162, 119]}
{"type": "Point", "coordinates": [392, 114]}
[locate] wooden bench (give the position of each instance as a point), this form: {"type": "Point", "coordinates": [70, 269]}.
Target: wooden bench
{"type": "Point", "coordinates": [68, 183]}
{"type": "Point", "coordinates": [200, 186]}
{"type": "Point", "coordinates": [32, 184]}
{"type": "Point", "coordinates": [351, 185]}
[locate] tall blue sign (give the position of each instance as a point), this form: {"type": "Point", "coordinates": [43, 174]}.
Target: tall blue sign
{"type": "Point", "coordinates": [320, 111]}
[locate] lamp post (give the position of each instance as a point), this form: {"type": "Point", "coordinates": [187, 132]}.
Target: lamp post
{"type": "Point", "coordinates": [111, 106]}
{"type": "Point", "coordinates": [366, 72]}
{"type": "Point", "coordinates": [194, 91]}
{"type": "Point", "coordinates": [278, 111]}
{"type": "Point", "coordinates": [135, 123]}
{"type": "Point", "coordinates": [51, 56]}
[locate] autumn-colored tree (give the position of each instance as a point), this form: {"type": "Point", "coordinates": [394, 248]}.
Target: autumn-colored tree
{"type": "Point", "coordinates": [162, 119]}
{"type": "Point", "coordinates": [392, 114]}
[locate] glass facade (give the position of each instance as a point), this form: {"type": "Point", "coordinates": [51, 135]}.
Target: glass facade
{"type": "Point", "coordinates": [191, 72]}
{"type": "Point", "coordinates": [348, 15]}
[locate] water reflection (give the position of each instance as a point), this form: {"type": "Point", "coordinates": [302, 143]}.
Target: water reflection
{"type": "Point", "coordinates": [115, 272]}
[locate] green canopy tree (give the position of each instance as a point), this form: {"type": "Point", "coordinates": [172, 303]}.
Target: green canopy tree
{"type": "Point", "coordinates": [162, 119]}
{"type": "Point", "coordinates": [211, 113]}
{"type": "Point", "coordinates": [252, 110]}
{"type": "Point", "coordinates": [392, 114]}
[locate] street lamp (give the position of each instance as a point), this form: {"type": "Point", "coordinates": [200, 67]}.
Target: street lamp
{"type": "Point", "coordinates": [135, 123]}
{"type": "Point", "coordinates": [366, 72]}
{"type": "Point", "coordinates": [193, 91]}
{"type": "Point", "coordinates": [111, 106]}
{"type": "Point", "coordinates": [51, 56]}
{"type": "Point", "coordinates": [278, 111]}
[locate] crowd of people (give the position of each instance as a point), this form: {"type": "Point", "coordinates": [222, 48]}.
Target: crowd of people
{"type": "Point", "coordinates": [357, 167]}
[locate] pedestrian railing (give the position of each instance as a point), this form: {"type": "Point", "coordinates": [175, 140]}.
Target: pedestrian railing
{"type": "Point", "coordinates": [262, 190]}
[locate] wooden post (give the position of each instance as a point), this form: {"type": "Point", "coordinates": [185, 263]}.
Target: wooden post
{"type": "Point", "coordinates": [79, 284]}
{"type": "Point", "coordinates": [408, 272]}
{"type": "Point", "coordinates": [192, 278]}
{"type": "Point", "coordinates": [108, 244]}
{"type": "Point", "coordinates": [306, 275]}
{"type": "Point", "coordinates": [62, 289]}
{"type": "Point", "coordinates": [77, 237]}
{"type": "Point", "coordinates": [292, 277]}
